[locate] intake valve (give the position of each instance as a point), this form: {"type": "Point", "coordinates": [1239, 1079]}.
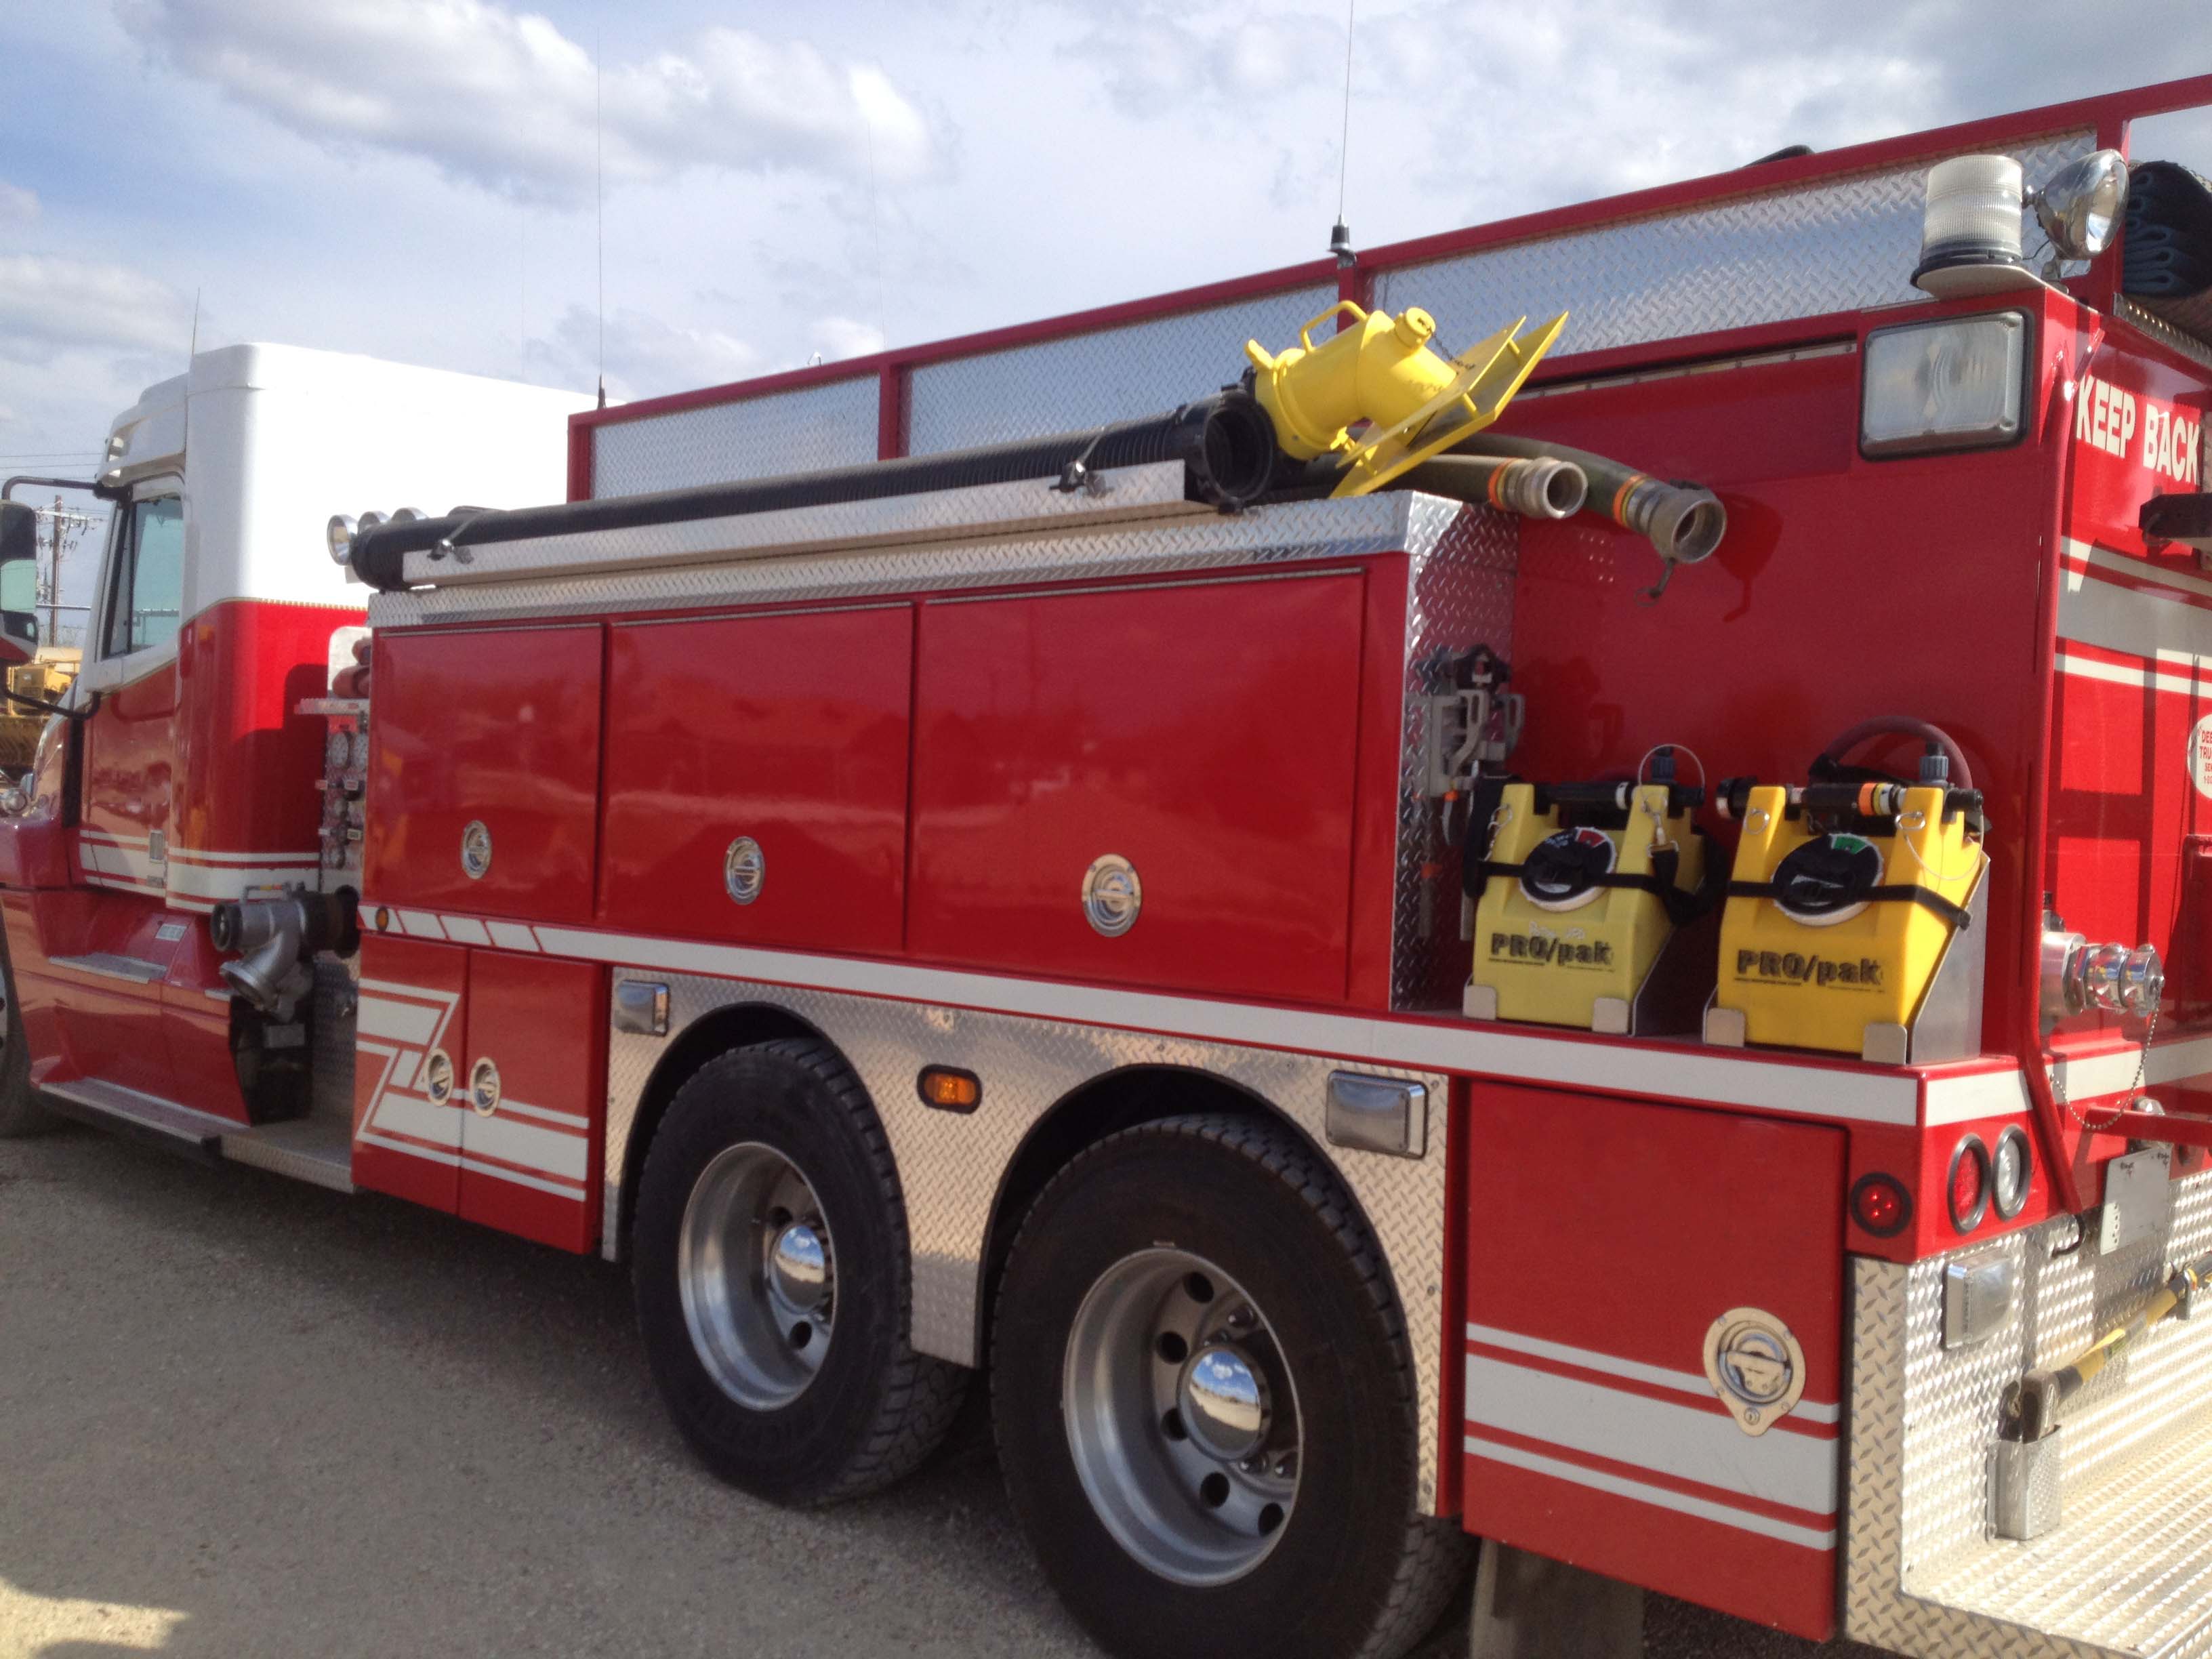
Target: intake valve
{"type": "Point", "coordinates": [279, 937]}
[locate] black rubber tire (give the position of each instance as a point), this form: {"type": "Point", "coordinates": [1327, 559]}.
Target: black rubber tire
{"type": "Point", "coordinates": [876, 1409]}
{"type": "Point", "coordinates": [20, 1112]}
{"type": "Point", "coordinates": [1358, 1571]}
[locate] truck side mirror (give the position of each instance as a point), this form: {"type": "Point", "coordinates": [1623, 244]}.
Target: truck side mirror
{"type": "Point", "coordinates": [19, 583]}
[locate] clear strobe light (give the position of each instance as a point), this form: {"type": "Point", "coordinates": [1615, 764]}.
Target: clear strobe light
{"type": "Point", "coordinates": [1970, 229]}
{"type": "Point", "coordinates": [1950, 385]}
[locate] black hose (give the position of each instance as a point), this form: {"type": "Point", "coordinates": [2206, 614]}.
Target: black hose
{"type": "Point", "coordinates": [1226, 444]}
{"type": "Point", "coordinates": [1903, 725]}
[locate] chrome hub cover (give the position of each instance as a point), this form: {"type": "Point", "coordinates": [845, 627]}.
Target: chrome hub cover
{"type": "Point", "coordinates": [1225, 1403]}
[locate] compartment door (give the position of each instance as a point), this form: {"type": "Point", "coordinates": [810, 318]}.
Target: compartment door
{"type": "Point", "coordinates": [496, 726]}
{"type": "Point", "coordinates": [534, 1082]}
{"type": "Point", "coordinates": [408, 1049]}
{"type": "Point", "coordinates": [788, 728]}
{"type": "Point", "coordinates": [1607, 1237]}
{"type": "Point", "coordinates": [1206, 733]}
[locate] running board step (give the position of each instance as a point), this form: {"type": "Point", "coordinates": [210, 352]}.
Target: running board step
{"type": "Point", "coordinates": [316, 1149]}
{"type": "Point", "coordinates": [147, 1117]}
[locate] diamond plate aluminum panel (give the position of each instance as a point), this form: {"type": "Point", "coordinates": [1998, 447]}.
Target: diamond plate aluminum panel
{"type": "Point", "coordinates": [1461, 595]}
{"type": "Point", "coordinates": [951, 1166]}
{"type": "Point", "coordinates": [1262, 535]}
{"type": "Point", "coordinates": [2174, 339]}
{"type": "Point", "coordinates": [2130, 1571]}
{"type": "Point", "coordinates": [1837, 245]}
{"type": "Point", "coordinates": [1089, 381]}
{"type": "Point", "coordinates": [808, 430]}
{"type": "Point", "coordinates": [1129, 493]}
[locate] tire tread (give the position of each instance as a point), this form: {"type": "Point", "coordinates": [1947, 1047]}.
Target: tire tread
{"type": "Point", "coordinates": [922, 1395]}
{"type": "Point", "coordinates": [1433, 1553]}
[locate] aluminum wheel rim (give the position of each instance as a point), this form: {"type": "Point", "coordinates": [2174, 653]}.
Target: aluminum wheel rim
{"type": "Point", "coordinates": [759, 1276]}
{"type": "Point", "coordinates": [1182, 1417]}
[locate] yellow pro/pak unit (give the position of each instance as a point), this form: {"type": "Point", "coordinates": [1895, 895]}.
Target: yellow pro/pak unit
{"type": "Point", "coordinates": [1583, 887]}
{"type": "Point", "coordinates": [1845, 897]}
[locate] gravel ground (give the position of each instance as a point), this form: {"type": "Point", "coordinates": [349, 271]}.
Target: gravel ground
{"type": "Point", "coordinates": [240, 1417]}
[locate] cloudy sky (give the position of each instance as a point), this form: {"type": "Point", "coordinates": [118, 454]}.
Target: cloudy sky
{"type": "Point", "coordinates": [415, 178]}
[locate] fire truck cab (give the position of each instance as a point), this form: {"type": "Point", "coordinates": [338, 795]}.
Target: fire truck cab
{"type": "Point", "coordinates": [1597, 943]}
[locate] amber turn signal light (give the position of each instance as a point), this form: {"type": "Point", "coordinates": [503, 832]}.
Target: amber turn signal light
{"type": "Point", "coordinates": [950, 1091]}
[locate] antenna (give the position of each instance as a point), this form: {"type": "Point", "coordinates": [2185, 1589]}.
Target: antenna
{"type": "Point", "coordinates": [600, 190]}
{"type": "Point", "coordinates": [1339, 234]}
{"type": "Point", "coordinates": [875, 224]}
{"type": "Point", "coordinates": [193, 349]}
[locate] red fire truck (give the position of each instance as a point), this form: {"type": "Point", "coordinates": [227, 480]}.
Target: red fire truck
{"type": "Point", "coordinates": [1601, 943]}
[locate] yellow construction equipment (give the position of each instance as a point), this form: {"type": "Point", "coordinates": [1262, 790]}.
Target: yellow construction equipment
{"type": "Point", "coordinates": [1381, 371]}
{"type": "Point", "coordinates": [46, 677]}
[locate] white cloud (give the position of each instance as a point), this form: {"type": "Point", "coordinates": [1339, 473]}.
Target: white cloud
{"type": "Point", "coordinates": [501, 98]}
{"type": "Point", "coordinates": [845, 337]}
{"type": "Point", "coordinates": [646, 357]}
{"type": "Point", "coordinates": [17, 203]}
{"type": "Point", "coordinates": [1157, 58]}
{"type": "Point", "coordinates": [49, 305]}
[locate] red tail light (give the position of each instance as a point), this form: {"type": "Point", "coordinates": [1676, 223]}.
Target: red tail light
{"type": "Point", "coordinates": [1880, 1204]}
{"type": "Point", "coordinates": [1968, 1185]}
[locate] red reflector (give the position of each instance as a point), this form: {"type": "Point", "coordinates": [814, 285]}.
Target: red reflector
{"type": "Point", "coordinates": [1968, 1185]}
{"type": "Point", "coordinates": [1880, 1205]}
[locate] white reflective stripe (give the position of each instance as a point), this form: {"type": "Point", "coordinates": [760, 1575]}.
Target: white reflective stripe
{"type": "Point", "coordinates": [404, 1063]}
{"type": "Point", "coordinates": [405, 1022]}
{"type": "Point", "coordinates": [2129, 619]}
{"type": "Point", "coordinates": [1591, 1359]}
{"type": "Point", "coordinates": [113, 859]}
{"type": "Point", "coordinates": [1683, 1441]}
{"type": "Point", "coordinates": [231, 881]}
{"type": "Point", "coordinates": [1722, 1079]}
{"type": "Point", "coordinates": [411, 1115]}
{"type": "Point", "coordinates": [1975, 1095]}
{"type": "Point", "coordinates": [549, 1151]}
{"type": "Point", "coordinates": [512, 936]}
{"type": "Point", "coordinates": [420, 924]}
{"type": "Point", "coordinates": [2142, 569]}
{"type": "Point", "coordinates": [545, 1113]}
{"type": "Point", "coordinates": [465, 930]}
{"type": "Point", "coordinates": [556, 1187]}
{"type": "Point", "coordinates": [193, 855]}
{"type": "Point", "coordinates": [2135, 679]}
{"type": "Point", "coordinates": [1681, 1502]}
{"type": "Point", "coordinates": [2107, 1074]}
{"type": "Point", "coordinates": [452, 1160]}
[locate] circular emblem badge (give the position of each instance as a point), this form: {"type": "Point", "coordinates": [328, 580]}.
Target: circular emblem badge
{"type": "Point", "coordinates": [1561, 872]}
{"type": "Point", "coordinates": [2200, 756]}
{"type": "Point", "coordinates": [484, 1088]}
{"type": "Point", "coordinates": [438, 1076]}
{"type": "Point", "coordinates": [475, 850]}
{"type": "Point", "coordinates": [1819, 883]}
{"type": "Point", "coordinates": [745, 869]}
{"type": "Point", "coordinates": [1112, 895]}
{"type": "Point", "coordinates": [1755, 1366]}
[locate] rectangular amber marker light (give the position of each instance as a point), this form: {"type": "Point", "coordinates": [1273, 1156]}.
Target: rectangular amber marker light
{"type": "Point", "coordinates": [951, 1091]}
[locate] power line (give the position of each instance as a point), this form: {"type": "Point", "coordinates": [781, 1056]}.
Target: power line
{"type": "Point", "coordinates": [1344, 138]}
